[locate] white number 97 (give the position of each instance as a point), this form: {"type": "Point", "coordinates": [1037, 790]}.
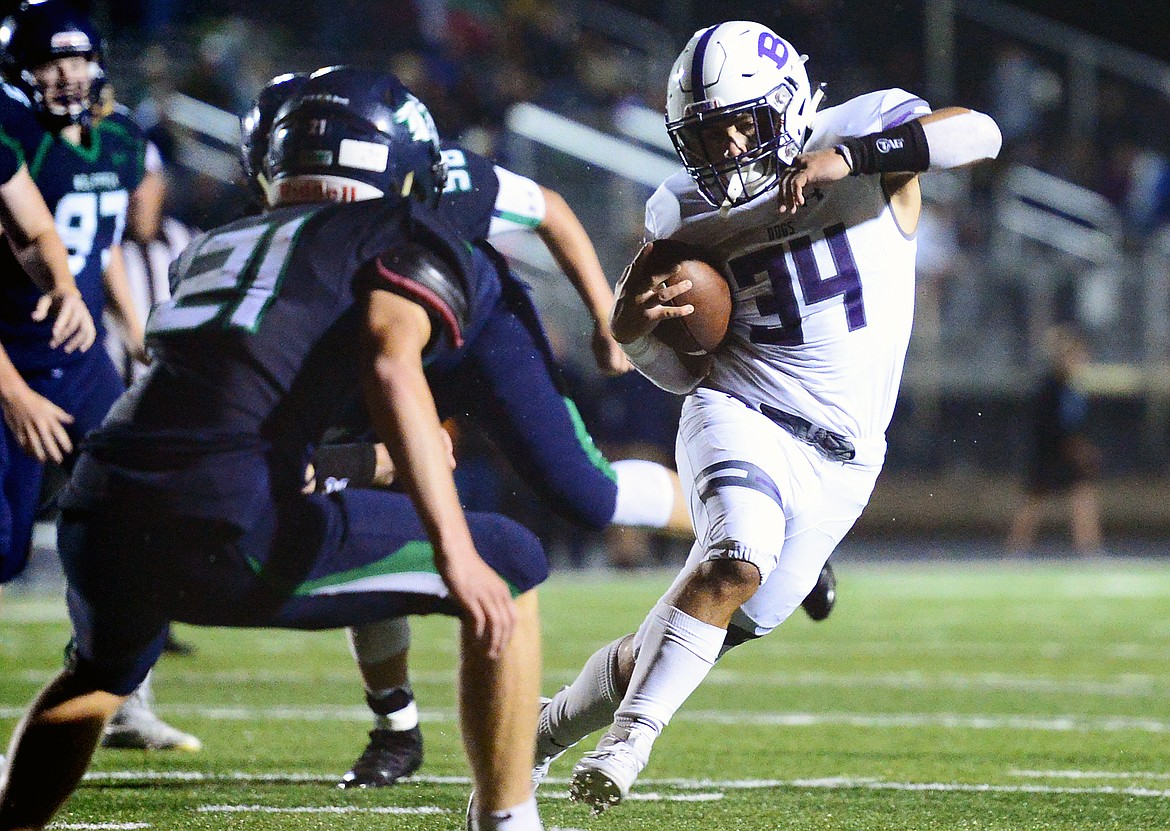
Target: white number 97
{"type": "Point", "coordinates": [77, 223]}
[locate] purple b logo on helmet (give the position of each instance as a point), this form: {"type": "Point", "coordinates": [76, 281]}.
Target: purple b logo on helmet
{"type": "Point", "coordinates": [767, 48]}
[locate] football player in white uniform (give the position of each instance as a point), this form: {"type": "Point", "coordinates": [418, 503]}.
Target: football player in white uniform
{"type": "Point", "coordinates": [782, 432]}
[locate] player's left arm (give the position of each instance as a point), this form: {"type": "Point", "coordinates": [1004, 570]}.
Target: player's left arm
{"type": "Point", "coordinates": [403, 414]}
{"type": "Point", "coordinates": [144, 214]}
{"type": "Point", "coordinates": [28, 224]}
{"type": "Point", "coordinates": [941, 140]}
{"type": "Point", "coordinates": [121, 306]}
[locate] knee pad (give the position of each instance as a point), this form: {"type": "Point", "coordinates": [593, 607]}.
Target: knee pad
{"type": "Point", "coordinates": [376, 643]}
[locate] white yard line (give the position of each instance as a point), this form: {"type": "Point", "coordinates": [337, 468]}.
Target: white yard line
{"type": "Point", "coordinates": [704, 789]}
{"type": "Point", "coordinates": [100, 826]}
{"type": "Point", "coordinates": [1134, 685]}
{"type": "Point", "coordinates": [949, 721]}
{"type": "Point", "coordinates": [320, 809]}
{"type": "Point", "coordinates": [648, 796]}
{"type": "Point", "coordinates": [1089, 774]}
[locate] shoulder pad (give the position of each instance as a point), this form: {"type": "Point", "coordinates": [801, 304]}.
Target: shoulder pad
{"type": "Point", "coordinates": [416, 272]}
{"type": "Point", "coordinates": [16, 94]}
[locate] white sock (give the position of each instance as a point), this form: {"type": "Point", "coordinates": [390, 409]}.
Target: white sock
{"type": "Point", "coordinates": [585, 705]}
{"type": "Point", "coordinates": [522, 817]}
{"type": "Point", "coordinates": [645, 494]}
{"type": "Point", "coordinates": [676, 654]}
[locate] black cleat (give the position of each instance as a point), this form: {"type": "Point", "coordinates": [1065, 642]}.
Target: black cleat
{"type": "Point", "coordinates": [390, 756]}
{"type": "Point", "coordinates": [821, 599]}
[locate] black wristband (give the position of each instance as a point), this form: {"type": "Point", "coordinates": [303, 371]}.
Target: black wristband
{"type": "Point", "coordinates": [901, 149]}
{"type": "Point", "coordinates": [348, 465]}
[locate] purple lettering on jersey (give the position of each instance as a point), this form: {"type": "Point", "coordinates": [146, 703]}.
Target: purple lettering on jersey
{"type": "Point", "coordinates": [782, 303]}
{"type": "Point", "coordinates": [847, 282]}
{"type": "Point", "coordinates": [766, 48]}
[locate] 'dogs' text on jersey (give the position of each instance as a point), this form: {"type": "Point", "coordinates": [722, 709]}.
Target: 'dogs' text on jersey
{"type": "Point", "coordinates": [823, 299]}
{"type": "Point", "coordinates": [257, 348]}
{"type": "Point", "coordinates": [87, 188]}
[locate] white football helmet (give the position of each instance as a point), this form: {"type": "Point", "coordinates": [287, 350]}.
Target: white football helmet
{"type": "Point", "coordinates": [738, 106]}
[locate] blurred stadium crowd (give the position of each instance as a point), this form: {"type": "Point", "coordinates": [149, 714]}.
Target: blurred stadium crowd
{"type": "Point", "coordinates": [1071, 225]}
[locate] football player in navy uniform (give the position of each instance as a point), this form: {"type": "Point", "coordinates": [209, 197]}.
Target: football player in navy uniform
{"type": "Point", "coordinates": [505, 380]}
{"type": "Point", "coordinates": [37, 424]}
{"type": "Point", "coordinates": [87, 160]}
{"type": "Point", "coordinates": [187, 503]}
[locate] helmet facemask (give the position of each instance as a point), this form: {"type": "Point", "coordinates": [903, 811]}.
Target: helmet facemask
{"type": "Point", "coordinates": [75, 102]}
{"type": "Point", "coordinates": [704, 140]}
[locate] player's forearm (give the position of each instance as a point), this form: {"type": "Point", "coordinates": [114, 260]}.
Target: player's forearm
{"type": "Point", "coordinates": [12, 384]}
{"type": "Point", "coordinates": [403, 415]}
{"type": "Point", "coordinates": [661, 365]}
{"type": "Point", "coordinates": [958, 137]}
{"type": "Point", "coordinates": [945, 139]}
{"type": "Point", "coordinates": [46, 262]}
{"type": "Point", "coordinates": [31, 231]}
{"type": "Point", "coordinates": [144, 217]}
{"type": "Point", "coordinates": [569, 244]}
{"type": "Point", "coordinates": [121, 301]}
{"type": "Point", "coordinates": [402, 412]}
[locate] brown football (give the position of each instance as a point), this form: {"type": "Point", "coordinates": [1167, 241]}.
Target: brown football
{"type": "Point", "coordinates": [705, 328]}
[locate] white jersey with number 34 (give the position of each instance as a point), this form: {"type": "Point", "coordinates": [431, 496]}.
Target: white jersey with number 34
{"type": "Point", "coordinates": [823, 298]}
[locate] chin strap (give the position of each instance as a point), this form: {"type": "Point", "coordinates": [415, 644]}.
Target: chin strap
{"type": "Point", "coordinates": [815, 101]}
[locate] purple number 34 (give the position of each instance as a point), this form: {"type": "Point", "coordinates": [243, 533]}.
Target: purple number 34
{"type": "Point", "coordinates": [781, 302]}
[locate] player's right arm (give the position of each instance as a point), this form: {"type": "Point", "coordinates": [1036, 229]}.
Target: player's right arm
{"type": "Point", "coordinates": [569, 243]}
{"type": "Point", "coordinates": [402, 413]}
{"type": "Point", "coordinates": [28, 224]}
{"type": "Point", "coordinates": [642, 302]}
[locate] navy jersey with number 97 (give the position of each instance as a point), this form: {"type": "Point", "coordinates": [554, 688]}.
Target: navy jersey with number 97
{"type": "Point", "coordinates": [87, 188]}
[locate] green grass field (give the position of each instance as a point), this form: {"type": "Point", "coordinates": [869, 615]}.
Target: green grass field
{"type": "Point", "coordinates": [938, 696]}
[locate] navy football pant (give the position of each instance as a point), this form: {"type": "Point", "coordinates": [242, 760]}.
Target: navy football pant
{"type": "Point", "coordinates": [508, 384]}
{"type": "Point", "coordinates": [86, 390]}
{"type": "Point", "coordinates": [312, 562]}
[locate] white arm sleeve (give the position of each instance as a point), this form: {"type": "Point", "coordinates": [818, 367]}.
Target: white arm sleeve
{"type": "Point", "coordinates": [962, 139]}
{"type": "Point", "coordinates": [519, 204]}
{"type": "Point", "coordinates": [661, 365]}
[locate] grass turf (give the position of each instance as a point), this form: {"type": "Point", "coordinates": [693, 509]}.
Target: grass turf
{"type": "Point", "coordinates": [939, 695]}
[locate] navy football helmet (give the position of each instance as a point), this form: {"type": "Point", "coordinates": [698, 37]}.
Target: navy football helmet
{"type": "Point", "coordinates": [257, 124]}
{"type": "Point", "coordinates": [352, 134]}
{"type": "Point", "coordinates": [44, 30]}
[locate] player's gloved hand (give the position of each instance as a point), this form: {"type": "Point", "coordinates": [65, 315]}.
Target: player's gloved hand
{"type": "Point", "coordinates": [641, 299]}
{"type": "Point", "coordinates": [38, 424]}
{"type": "Point", "coordinates": [73, 327]}
{"type": "Point", "coordinates": [611, 360]}
{"type": "Point", "coordinates": [484, 598]}
{"type": "Point", "coordinates": [817, 168]}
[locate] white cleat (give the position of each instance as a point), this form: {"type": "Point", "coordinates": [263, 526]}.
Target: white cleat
{"type": "Point", "coordinates": [136, 727]}
{"type": "Point", "coordinates": [547, 750]}
{"type": "Point", "coordinates": [603, 777]}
